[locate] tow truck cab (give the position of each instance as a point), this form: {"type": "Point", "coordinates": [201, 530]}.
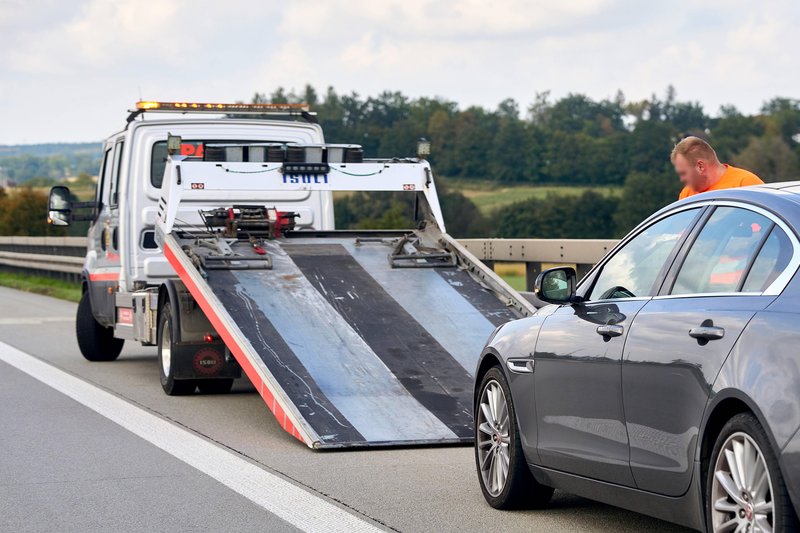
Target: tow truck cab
{"type": "Point", "coordinates": [125, 275]}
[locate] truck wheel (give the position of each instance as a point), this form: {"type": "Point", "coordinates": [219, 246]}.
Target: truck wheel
{"type": "Point", "coordinates": [166, 345]}
{"type": "Point", "coordinates": [215, 386]}
{"type": "Point", "coordinates": [97, 343]}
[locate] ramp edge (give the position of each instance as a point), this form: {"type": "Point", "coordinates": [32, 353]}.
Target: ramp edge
{"type": "Point", "coordinates": [265, 383]}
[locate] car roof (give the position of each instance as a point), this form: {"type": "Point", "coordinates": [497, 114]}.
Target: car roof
{"type": "Point", "coordinates": [781, 198]}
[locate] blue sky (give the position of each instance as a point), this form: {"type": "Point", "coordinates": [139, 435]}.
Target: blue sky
{"type": "Point", "coordinates": [70, 69]}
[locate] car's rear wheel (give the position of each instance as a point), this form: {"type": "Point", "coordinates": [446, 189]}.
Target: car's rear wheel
{"type": "Point", "coordinates": [506, 481]}
{"type": "Point", "coordinates": [745, 490]}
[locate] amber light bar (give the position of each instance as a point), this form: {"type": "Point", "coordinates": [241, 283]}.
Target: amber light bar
{"type": "Point", "coordinates": [205, 106]}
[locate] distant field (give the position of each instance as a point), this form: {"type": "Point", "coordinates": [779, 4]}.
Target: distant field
{"type": "Point", "coordinates": [488, 195]}
{"type": "Point", "coordinates": [82, 192]}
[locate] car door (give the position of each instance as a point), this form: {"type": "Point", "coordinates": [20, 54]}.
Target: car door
{"type": "Point", "coordinates": [680, 339]}
{"type": "Point", "coordinates": [577, 377]}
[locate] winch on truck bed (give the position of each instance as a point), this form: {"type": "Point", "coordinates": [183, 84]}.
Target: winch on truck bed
{"type": "Point", "coordinates": [353, 338]}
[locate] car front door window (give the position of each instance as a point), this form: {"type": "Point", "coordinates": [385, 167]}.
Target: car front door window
{"type": "Point", "coordinates": [634, 269]}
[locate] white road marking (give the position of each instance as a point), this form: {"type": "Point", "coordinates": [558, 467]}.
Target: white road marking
{"type": "Point", "coordinates": [34, 320]}
{"type": "Point", "coordinates": [293, 504]}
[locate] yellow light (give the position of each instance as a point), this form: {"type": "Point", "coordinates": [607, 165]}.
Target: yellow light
{"type": "Point", "coordinates": [167, 106]}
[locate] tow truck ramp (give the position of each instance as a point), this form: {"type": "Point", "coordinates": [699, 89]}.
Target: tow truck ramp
{"type": "Point", "coordinates": [351, 338]}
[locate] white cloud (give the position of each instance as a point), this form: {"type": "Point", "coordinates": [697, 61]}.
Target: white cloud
{"type": "Point", "coordinates": [470, 51]}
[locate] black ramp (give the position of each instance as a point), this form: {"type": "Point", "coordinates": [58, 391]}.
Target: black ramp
{"type": "Point", "coordinates": [482, 299]}
{"type": "Point", "coordinates": [295, 380]}
{"type": "Point", "coordinates": [430, 374]}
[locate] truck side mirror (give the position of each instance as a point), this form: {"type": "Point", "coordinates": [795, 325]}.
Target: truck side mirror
{"type": "Point", "coordinates": [556, 285]}
{"type": "Point", "coordinates": [59, 206]}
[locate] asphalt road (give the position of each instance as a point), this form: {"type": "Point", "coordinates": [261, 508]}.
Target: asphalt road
{"type": "Point", "coordinates": [65, 467]}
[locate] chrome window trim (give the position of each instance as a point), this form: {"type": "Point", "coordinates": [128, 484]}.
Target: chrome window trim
{"type": "Point", "coordinates": [707, 295]}
{"type": "Point", "coordinates": [782, 280]}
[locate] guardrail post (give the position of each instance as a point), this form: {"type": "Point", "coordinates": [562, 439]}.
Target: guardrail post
{"type": "Point", "coordinates": [532, 270]}
{"type": "Point", "coordinates": [582, 269]}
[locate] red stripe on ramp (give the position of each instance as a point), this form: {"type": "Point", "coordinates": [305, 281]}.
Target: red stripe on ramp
{"type": "Point", "coordinates": [237, 351]}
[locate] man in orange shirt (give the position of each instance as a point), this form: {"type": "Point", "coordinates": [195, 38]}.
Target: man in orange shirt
{"type": "Point", "coordinates": [699, 169]}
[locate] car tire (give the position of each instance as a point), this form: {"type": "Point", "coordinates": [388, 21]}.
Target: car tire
{"type": "Point", "coordinates": [215, 386]}
{"type": "Point", "coordinates": [96, 342]}
{"type": "Point", "coordinates": [744, 485]}
{"type": "Point", "coordinates": [166, 352]}
{"type": "Point", "coordinates": [498, 445]}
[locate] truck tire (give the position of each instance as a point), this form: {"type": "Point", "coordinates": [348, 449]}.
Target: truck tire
{"type": "Point", "coordinates": [166, 345]}
{"type": "Point", "coordinates": [96, 342]}
{"type": "Point", "coordinates": [215, 386]}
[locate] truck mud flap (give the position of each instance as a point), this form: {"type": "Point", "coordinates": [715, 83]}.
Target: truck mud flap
{"type": "Point", "coordinates": [347, 351]}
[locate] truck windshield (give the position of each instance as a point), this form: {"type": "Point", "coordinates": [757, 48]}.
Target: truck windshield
{"type": "Point", "coordinates": [158, 158]}
{"type": "Point", "coordinates": [158, 155]}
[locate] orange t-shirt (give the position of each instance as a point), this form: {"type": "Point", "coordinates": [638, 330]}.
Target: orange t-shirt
{"type": "Point", "coordinates": [732, 177]}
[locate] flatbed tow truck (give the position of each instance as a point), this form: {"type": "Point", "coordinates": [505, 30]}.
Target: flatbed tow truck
{"type": "Point", "coordinates": [353, 338]}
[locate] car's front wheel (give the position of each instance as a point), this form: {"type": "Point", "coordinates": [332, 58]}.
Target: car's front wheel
{"type": "Point", "coordinates": [506, 481]}
{"type": "Point", "coordinates": [744, 489]}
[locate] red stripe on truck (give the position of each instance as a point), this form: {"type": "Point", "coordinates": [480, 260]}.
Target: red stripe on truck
{"type": "Point", "coordinates": [237, 351]}
{"type": "Point", "coordinates": [104, 276]}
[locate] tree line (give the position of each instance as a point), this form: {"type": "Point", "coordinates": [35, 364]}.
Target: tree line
{"type": "Point", "coordinates": [574, 140]}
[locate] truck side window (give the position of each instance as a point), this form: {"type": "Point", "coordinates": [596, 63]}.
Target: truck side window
{"type": "Point", "coordinates": [116, 174]}
{"type": "Point", "coordinates": [105, 171]}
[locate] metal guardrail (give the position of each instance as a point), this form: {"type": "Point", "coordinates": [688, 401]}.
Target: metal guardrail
{"type": "Point", "coordinates": [63, 256]}
{"type": "Point", "coordinates": [58, 257]}
{"type": "Point", "coordinates": [539, 254]}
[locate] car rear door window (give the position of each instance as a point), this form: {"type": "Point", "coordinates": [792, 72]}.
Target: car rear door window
{"type": "Point", "coordinates": [720, 256]}
{"type": "Point", "coordinates": [633, 270]}
{"type": "Point", "coordinates": [771, 261]}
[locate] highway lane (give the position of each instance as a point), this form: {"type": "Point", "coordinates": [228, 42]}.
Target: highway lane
{"type": "Point", "coordinates": [416, 489]}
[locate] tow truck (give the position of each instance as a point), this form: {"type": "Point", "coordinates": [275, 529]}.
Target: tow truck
{"type": "Point", "coordinates": [213, 239]}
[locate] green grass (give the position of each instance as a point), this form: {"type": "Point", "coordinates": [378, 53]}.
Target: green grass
{"type": "Point", "coordinates": [56, 288]}
{"type": "Point", "coordinates": [488, 195]}
{"type": "Point", "coordinates": [517, 282]}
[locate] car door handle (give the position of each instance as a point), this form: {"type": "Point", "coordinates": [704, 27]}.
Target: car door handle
{"type": "Point", "coordinates": [610, 330]}
{"type": "Point", "coordinates": [709, 333]}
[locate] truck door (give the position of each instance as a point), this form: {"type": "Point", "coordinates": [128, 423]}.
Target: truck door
{"type": "Point", "coordinates": [102, 262]}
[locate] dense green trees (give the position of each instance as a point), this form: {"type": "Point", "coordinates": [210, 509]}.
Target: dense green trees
{"type": "Point", "coordinates": [574, 140]}
{"type": "Point", "coordinates": [571, 141]}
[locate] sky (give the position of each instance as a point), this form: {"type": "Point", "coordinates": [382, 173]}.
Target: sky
{"type": "Point", "coordinates": [70, 69]}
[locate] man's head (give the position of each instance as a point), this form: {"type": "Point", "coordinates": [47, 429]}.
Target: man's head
{"type": "Point", "coordinates": [696, 163]}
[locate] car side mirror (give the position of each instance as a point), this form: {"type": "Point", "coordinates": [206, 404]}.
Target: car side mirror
{"type": "Point", "coordinates": [59, 206]}
{"type": "Point", "coordinates": [556, 285]}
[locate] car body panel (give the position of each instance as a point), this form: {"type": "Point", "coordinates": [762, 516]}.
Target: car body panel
{"type": "Point", "coordinates": [580, 416]}
{"type": "Point", "coordinates": [666, 381]}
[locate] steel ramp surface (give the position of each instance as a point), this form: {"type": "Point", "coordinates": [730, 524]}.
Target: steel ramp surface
{"type": "Point", "coordinates": [346, 350]}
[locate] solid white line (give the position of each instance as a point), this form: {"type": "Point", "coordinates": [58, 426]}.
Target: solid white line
{"type": "Point", "coordinates": [293, 504]}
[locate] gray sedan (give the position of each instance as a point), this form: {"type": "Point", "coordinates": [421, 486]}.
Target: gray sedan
{"type": "Point", "coordinates": [667, 381]}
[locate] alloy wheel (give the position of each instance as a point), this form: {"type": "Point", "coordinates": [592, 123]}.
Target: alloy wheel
{"type": "Point", "coordinates": [741, 491]}
{"type": "Point", "coordinates": [493, 438]}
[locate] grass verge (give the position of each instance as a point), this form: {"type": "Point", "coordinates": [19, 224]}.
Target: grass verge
{"type": "Point", "coordinates": [56, 288]}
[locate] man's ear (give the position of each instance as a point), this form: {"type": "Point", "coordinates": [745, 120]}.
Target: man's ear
{"type": "Point", "coordinates": [701, 166]}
